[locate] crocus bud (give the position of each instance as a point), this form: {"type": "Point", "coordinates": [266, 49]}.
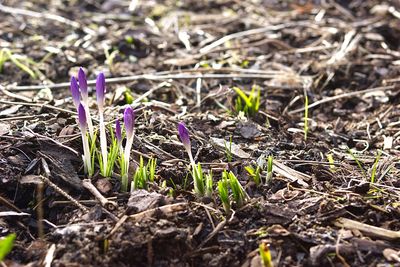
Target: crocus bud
{"type": "Point", "coordinates": [118, 132]}
{"type": "Point", "coordinates": [82, 117]}
{"type": "Point", "coordinates": [100, 90]}
{"type": "Point", "coordinates": [184, 136]}
{"type": "Point", "coordinates": [75, 91]}
{"type": "Point", "coordinates": [82, 83]}
{"type": "Point", "coordinates": [129, 121]}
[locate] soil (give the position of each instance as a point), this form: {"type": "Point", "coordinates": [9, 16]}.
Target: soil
{"type": "Point", "coordinates": [333, 199]}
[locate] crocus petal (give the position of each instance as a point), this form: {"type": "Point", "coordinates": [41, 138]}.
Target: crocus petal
{"type": "Point", "coordinates": [129, 121]}
{"type": "Point", "coordinates": [82, 82]}
{"type": "Point", "coordinates": [184, 135]}
{"type": "Point", "coordinates": [100, 89]}
{"type": "Point", "coordinates": [82, 117]}
{"type": "Point", "coordinates": [118, 132]}
{"type": "Point", "coordinates": [75, 91]}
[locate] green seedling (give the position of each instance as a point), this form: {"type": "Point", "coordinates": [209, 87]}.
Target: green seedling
{"type": "Point", "coordinates": [331, 163]}
{"type": "Point", "coordinates": [255, 173]}
{"type": "Point", "coordinates": [375, 166]}
{"type": "Point", "coordinates": [224, 195]}
{"type": "Point", "coordinates": [209, 184]}
{"type": "Point", "coordinates": [144, 174]}
{"type": "Point", "coordinates": [7, 55]}
{"type": "Point", "coordinates": [228, 150]}
{"type": "Point", "coordinates": [239, 195]}
{"type": "Point", "coordinates": [6, 245]}
{"type": "Point", "coordinates": [357, 161]}
{"type": "Point", "coordinates": [265, 255]}
{"type": "Point", "coordinates": [270, 164]}
{"type": "Point", "coordinates": [198, 179]}
{"type": "Point", "coordinates": [305, 116]}
{"type": "Point", "coordinates": [248, 104]}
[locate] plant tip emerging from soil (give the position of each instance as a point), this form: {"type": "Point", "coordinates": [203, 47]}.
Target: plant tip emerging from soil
{"type": "Point", "coordinates": [75, 91]}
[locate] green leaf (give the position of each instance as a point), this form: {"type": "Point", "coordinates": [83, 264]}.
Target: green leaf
{"type": "Point", "coordinates": [6, 245]}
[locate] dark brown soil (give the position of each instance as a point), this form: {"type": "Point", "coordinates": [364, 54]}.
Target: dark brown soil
{"type": "Point", "coordinates": [344, 55]}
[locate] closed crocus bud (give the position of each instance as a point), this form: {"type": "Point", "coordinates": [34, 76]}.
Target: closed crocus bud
{"type": "Point", "coordinates": [83, 83]}
{"type": "Point", "coordinates": [82, 118]}
{"type": "Point", "coordinates": [75, 91]}
{"type": "Point", "coordinates": [100, 90]}
{"type": "Point", "coordinates": [184, 136]}
{"type": "Point", "coordinates": [118, 132]}
{"type": "Point", "coordinates": [129, 121]}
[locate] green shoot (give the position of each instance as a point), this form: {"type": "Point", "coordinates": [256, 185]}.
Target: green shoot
{"type": "Point", "coordinates": [248, 104]}
{"type": "Point", "coordinates": [254, 173]}
{"type": "Point", "coordinates": [228, 150]}
{"type": "Point", "coordinates": [269, 169]}
{"type": "Point", "coordinates": [144, 174]}
{"type": "Point", "coordinates": [209, 184]}
{"type": "Point", "coordinates": [305, 116]}
{"type": "Point", "coordinates": [112, 155]}
{"type": "Point", "coordinates": [6, 245]}
{"type": "Point", "coordinates": [239, 195]}
{"type": "Point", "coordinates": [265, 255]}
{"type": "Point", "coordinates": [198, 179]}
{"type": "Point", "coordinates": [331, 162]}
{"type": "Point", "coordinates": [223, 195]}
{"type": "Point", "coordinates": [357, 161]}
{"type": "Point", "coordinates": [375, 166]}
{"type": "Point", "coordinates": [7, 55]}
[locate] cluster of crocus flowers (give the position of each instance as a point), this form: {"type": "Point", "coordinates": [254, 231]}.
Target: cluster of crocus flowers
{"type": "Point", "coordinates": [80, 97]}
{"type": "Point", "coordinates": [117, 152]}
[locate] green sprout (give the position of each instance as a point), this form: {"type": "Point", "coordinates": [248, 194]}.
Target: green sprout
{"type": "Point", "coordinates": [239, 195]}
{"type": "Point", "coordinates": [357, 161]}
{"type": "Point", "coordinates": [265, 255]}
{"type": "Point", "coordinates": [7, 55]}
{"type": "Point", "coordinates": [255, 173]}
{"type": "Point", "coordinates": [270, 164]}
{"type": "Point", "coordinates": [6, 245]}
{"type": "Point", "coordinates": [144, 174]}
{"type": "Point", "coordinates": [331, 162]}
{"type": "Point", "coordinates": [228, 150]}
{"type": "Point", "coordinates": [112, 155]}
{"type": "Point", "coordinates": [375, 166]}
{"type": "Point", "coordinates": [224, 195]}
{"type": "Point", "coordinates": [198, 179]}
{"type": "Point", "coordinates": [209, 184]}
{"type": "Point", "coordinates": [305, 116]}
{"type": "Point", "coordinates": [248, 104]}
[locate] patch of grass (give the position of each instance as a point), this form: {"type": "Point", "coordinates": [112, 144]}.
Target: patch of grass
{"type": "Point", "coordinates": [375, 166]}
{"type": "Point", "coordinates": [265, 255]}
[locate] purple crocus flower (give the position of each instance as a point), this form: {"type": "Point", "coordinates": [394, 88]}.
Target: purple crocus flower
{"type": "Point", "coordinates": [100, 90]}
{"type": "Point", "coordinates": [83, 83]}
{"type": "Point", "coordinates": [129, 121]}
{"type": "Point", "coordinates": [75, 91]}
{"type": "Point", "coordinates": [184, 135]}
{"type": "Point", "coordinates": [118, 131]}
{"type": "Point", "coordinates": [82, 118]}
{"type": "Point", "coordinates": [185, 138]}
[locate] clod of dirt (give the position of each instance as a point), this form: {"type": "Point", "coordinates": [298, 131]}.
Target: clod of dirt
{"type": "Point", "coordinates": [141, 200]}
